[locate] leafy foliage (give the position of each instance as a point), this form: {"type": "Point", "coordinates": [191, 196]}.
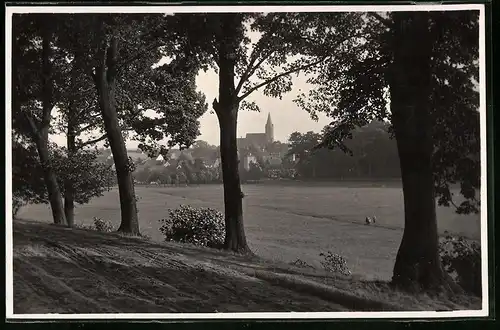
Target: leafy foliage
{"type": "Point", "coordinates": [199, 226]}
{"type": "Point", "coordinates": [26, 186]}
{"type": "Point", "coordinates": [461, 258]}
{"type": "Point", "coordinates": [17, 204]}
{"type": "Point", "coordinates": [178, 106]}
{"type": "Point", "coordinates": [373, 155]}
{"type": "Point", "coordinates": [91, 178]}
{"type": "Point", "coordinates": [38, 79]}
{"type": "Point", "coordinates": [102, 225]}
{"type": "Point", "coordinates": [356, 92]}
{"type": "Point", "coordinates": [301, 264]}
{"type": "Point", "coordinates": [334, 263]}
{"type": "Point", "coordinates": [98, 224]}
{"type": "Point", "coordinates": [142, 87]}
{"type": "Point", "coordinates": [254, 173]}
{"type": "Point", "coordinates": [302, 145]}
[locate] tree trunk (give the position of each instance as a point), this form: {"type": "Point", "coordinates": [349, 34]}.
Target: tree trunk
{"type": "Point", "coordinates": [105, 83]}
{"type": "Point", "coordinates": [69, 188]}
{"type": "Point", "coordinates": [41, 134]}
{"type": "Point", "coordinates": [227, 112]}
{"type": "Point", "coordinates": [69, 184]}
{"type": "Point", "coordinates": [418, 263]}
{"type": "Point", "coordinates": [69, 206]}
{"type": "Point", "coordinates": [50, 178]}
{"type": "Point", "coordinates": [235, 232]}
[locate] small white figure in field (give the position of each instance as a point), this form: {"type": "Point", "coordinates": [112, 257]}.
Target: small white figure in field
{"type": "Point", "coordinates": [370, 220]}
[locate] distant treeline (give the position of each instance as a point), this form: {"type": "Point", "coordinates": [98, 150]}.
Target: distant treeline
{"type": "Point", "coordinates": [374, 156]}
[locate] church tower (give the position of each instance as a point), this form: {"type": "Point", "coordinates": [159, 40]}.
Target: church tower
{"type": "Point", "coordinates": [269, 129]}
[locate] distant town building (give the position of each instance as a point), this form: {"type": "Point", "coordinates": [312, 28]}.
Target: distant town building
{"type": "Point", "coordinates": [258, 140]}
{"type": "Point", "coordinates": [253, 148]}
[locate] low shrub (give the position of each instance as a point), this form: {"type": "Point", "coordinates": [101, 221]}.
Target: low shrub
{"type": "Point", "coordinates": [199, 226]}
{"type": "Point", "coordinates": [301, 264]}
{"type": "Point", "coordinates": [461, 258]}
{"type": "Point", "coordinates": [83, 226]}
{"type": "Point", "coordinates": [102, 225]}
{"type": "Point", "coordinates": [145, 237]}
{"type": "Point", "coordinates": [335, 263]}
{"type": "Point", "coordinates": [17, 204]}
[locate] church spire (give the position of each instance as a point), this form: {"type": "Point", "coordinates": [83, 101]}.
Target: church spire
{"type": "Point", "coordinates": [269, 129]}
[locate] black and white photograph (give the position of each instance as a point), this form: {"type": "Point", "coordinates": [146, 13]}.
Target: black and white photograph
{"type": "Point", "coordinates": [246, 162]}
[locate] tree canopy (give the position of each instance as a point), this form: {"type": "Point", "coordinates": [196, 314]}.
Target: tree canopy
{"type": "Point", "coordinates": [357, 92]}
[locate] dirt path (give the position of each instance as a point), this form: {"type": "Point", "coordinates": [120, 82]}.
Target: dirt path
{"type": "Point", "coordinates": [57, 270]}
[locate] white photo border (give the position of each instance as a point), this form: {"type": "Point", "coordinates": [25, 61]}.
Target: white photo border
{"type": "Point", "coordinates": [12, 9]}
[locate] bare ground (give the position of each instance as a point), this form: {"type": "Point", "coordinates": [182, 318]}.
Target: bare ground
{"type": "Point", "coordinates": [60, 270]}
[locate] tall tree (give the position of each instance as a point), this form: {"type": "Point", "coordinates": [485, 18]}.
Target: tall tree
{"type": "Point", "coordinates": [426, 65]}
{"type": "Point", "coordinates": [263, 51]}
{"type": "Point", "coordinates": [107, 62]}
{"type": "Point", "coordinates": [35, 64]}
{"type": "Point", "coordinates": [79, 115]}
{"type": "Point", "coordinates": [128, 82]}
{"type": "Point", "coordinates": [413, 116]}
{"type": "Point", "coordinates": [303, 147]}
{"type": "Point", "coordinates": [201, 149]}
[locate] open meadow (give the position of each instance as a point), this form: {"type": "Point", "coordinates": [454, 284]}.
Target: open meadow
{"type": "Point", "coordinates": [287, 222]}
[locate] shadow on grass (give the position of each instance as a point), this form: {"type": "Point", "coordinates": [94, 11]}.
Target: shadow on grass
{"type": "Point", "coordinates": [62, 271]}
{"type": "Point", "coordinates": [27, 231]}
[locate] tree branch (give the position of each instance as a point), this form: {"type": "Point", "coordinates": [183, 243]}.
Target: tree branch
{"type": "Point", "coordinates": [254, 56]}
{"type": "Point", "coordinates": [31, 122]}
{"type": "Point", "coordinates": [84, 111]}
{"type": "Point", "coordinates": [251, 69]}
{"type": "Point", "coordinates": [453, 203]}
{"type": "Point", "coordinates": [133, 114]}
{"type": "Point", "coordinates": [99, 139]}
{"type": "Point", "coordinates": [268, 81]}
{"type": "Point", "coordinates": [244, 76]}
{"type": "Point", "coordinates": [84, 128]}
{"type": "Point", "coordinates": [251, 90]}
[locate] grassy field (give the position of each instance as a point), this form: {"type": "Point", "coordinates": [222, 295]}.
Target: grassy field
{"type": "Point", "coordinates": [287, 222]}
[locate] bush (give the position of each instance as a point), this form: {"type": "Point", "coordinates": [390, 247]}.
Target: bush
{"type": "Point", "coordinates": [301, 264]}
{"type": "Point", "coordinates": [17, 204]}
{"type": "Point", "coordinates": [335, 263]}
{"type": "Point", "coordinates": [462, 260]}
{"type": "Point", "coordinates": [83, 226]}
{"type": "Point", "coordinates": [199, 226]}
{"type": "Point", "coordinates": [102, 225]}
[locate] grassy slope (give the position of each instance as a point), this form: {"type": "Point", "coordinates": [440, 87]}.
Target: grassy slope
{"type": "Point", "coordinates": [59, 270]}
{"type": "Point", "coordinates": [284, 223]}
